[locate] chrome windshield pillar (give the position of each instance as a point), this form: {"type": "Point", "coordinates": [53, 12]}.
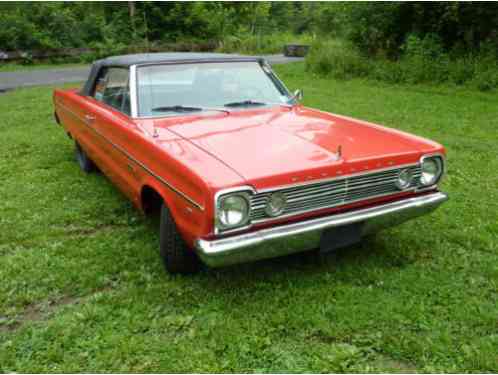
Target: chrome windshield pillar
{"type": "Point", "coordinates": [133, 91]}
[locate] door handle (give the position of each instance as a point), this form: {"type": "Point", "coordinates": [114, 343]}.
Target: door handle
{"type": "Point", "coordinates": [89, 119]}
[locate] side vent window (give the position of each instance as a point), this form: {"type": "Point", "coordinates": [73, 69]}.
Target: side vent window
{"type": "Point", "coordinates": [112, 89]}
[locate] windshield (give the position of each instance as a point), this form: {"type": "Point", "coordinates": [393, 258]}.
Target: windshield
{"type": "Point", "coordinates": [179, 88]}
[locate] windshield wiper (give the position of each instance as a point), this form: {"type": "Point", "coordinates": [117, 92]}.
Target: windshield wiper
{"type": "Point", "coordinates": [176, 108]}
{"type": "Point", "coordinates": [187, 108]}
{"type": "Point", "coordinates": [244, 103]}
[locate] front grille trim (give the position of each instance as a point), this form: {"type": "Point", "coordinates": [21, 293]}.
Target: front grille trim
{"type": "Point", "coordinates": [335, 192]}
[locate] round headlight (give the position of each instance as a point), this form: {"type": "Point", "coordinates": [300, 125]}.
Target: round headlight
{"type": "Point", "coordinates": [276, 204]}
{"type": "Point", "coordinates": [233, 210]}
{"type": "Point", "coordinates": [404, 179]}
{"type": "Point", "coordinates": [431, 171]}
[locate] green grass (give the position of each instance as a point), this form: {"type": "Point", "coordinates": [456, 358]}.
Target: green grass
{"type": "Point", "coordinates": [82, 288]}
{"type": "Point", "coordinates": [12, 67]}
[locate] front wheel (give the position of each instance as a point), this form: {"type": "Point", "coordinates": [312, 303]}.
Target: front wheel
{"type": "Point", "coordinates": [176, 255]}
{"type": "Point", "coordinates": [86, 164]}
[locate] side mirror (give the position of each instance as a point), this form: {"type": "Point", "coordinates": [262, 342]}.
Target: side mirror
{"type": "Point", "coordinates": [298, 95]}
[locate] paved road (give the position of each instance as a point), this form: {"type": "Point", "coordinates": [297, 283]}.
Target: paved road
{"type": "Point", "coordinates": [11, 80]}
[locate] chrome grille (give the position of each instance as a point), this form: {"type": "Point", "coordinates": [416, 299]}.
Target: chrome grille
{"type": "Point", "coordinates": [332, 193]}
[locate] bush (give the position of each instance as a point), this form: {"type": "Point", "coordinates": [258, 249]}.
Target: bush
{"type": "Point", "coordinates": [88, 57]}
{"type": "Point", "coordinates": [486, 73]}
{"type": "Point", "coordinates": [423, 61]}
{"type": "Point", "coordinates": [388, 71]}
{"type": "Point", "coordinates": [486, 80]}
{"type": "Point", "coordinates": [337, 60]}
{"type": "Point", "coordinates": [461, 70]}
{"type": "Point", "coordinates": [383, 27]}
{"type": "Point", "coordinates": [263, 43]}
{"type": "Point", "coordinates": [108, 48]}
{"type": "Point", "coordinates": [26, 58]}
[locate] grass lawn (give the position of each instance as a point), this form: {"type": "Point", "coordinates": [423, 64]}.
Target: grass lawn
{"type": "Point", "coordinates": [82, 288]}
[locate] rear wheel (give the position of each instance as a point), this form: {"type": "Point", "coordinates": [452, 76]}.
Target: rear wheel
{"type": "Point", "coordinates": [176, 255]}
{"type": "Point", "coordinates": [86, 164]}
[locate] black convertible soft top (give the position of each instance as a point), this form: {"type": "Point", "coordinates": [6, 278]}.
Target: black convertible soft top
{"type": "Point", "coordinates": [158, 58]}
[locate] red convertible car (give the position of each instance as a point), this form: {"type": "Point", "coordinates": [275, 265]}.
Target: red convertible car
{"type": "Point", "coordinates": [237, 169]}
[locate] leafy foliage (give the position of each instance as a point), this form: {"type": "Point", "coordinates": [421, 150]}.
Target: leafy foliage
{"type": "Point", "coordinates": [49, 25]}
{"type": "Point", "coordinates": [403, 42]}
{"type": "Point", "coordinates": [26, 26]}
{"type": "Point", "coordinates": [384, 27]}
{"type": "Point", "coordinates": [423, 61]}
{"type": "Point", "coordinates": [261, 43]}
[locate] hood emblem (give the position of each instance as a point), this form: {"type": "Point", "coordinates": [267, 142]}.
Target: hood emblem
{"type": "Point", "coordinates": [339, 152]}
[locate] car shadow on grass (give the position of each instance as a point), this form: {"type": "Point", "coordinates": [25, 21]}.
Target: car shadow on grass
{"type": "Point", "coordinates": [373, 252]}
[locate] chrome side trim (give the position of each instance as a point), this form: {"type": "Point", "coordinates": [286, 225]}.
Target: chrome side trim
{"type": "Point", "coordinates": [71, 112]}
{"type": "Point", "coordinates": [306, 235]}
{"type": "Point", "coordinates": [139, 163]}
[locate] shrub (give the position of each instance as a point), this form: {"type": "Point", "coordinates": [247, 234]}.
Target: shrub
{"type": "Point", "coordinates": [108, 48]}
{"type": "Point", "coordinates": [263, 43]}
{"type": "Point", "coordinates": [486, 80]}
{"type": "Point", "coordinates": [461, 70]}
{"type": "Point", "coordinates": [384, 26]}
{"type": "Point", "coordinates": [486, 73]}
{"type": "Point", "coordinates": [88, 57]}
{"type": "Point", "coordinates": [336, 59]}
{"type": "Point", "coordinates": [387, 71]}
{"type": "Point", "coordinates": [26, 58]}
{"type": "Point", "coordinates": [423, 61]}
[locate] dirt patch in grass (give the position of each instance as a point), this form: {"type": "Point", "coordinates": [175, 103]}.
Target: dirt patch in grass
{"type": "Point", "coordinates": [395, 365]}
{"type": "Point", "coordinates": [90, 231]}
{"type": "Point", "coordinates": [324, 338]}
{"type": "Point", "coordinates": [380, 361]}
{"type": "Point", "coordinates": [40, 311]}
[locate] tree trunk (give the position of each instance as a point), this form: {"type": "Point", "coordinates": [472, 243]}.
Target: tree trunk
{"type": "Point", "coordinates": [131, 8]}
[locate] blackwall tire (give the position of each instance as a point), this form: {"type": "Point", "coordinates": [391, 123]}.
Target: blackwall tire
{"type": "Point", "coordinates": [85, 163]}
{"type": "Point", "coordinates": [176, 256]}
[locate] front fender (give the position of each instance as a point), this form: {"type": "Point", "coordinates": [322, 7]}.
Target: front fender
{"type": "Point", "coordinates": [192, 222]}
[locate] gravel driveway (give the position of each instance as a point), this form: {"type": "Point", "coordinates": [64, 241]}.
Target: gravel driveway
{"type": "Point", "coordinates": [12, 80]}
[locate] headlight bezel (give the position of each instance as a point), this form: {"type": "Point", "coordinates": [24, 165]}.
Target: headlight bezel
{"type": "Point", "coordinates": [244, 192]}
{"type": "Point", "coordinates": [440, 162]}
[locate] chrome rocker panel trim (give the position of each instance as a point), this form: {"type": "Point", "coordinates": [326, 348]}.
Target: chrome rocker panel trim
{"type": "Point", "coordinates": [305, 235]}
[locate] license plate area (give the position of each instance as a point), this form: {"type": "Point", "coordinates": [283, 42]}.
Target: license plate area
{"type": "Point", "coordinates": [337, 237]}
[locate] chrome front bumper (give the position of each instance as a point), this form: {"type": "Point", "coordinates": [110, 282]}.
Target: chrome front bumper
{"type": "Point", "coordinates": [305, 235]}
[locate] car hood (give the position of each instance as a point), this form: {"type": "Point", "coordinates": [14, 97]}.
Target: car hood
{"type": "Point", "coordinates": [278, 146]}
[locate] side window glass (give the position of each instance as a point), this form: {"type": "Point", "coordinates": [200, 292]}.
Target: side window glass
{"type": "Point", "coordinates": [98, 93]}
{"type": "Point", "coordinates": [112, 89]}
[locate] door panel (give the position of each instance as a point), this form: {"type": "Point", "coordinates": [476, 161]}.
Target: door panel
{"type": "Point", "coordinates": [75, 119]}
{"type": "Point", "coordinates": [116, 133]}
{"type": "Point", "coordinates": [114, 130]}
